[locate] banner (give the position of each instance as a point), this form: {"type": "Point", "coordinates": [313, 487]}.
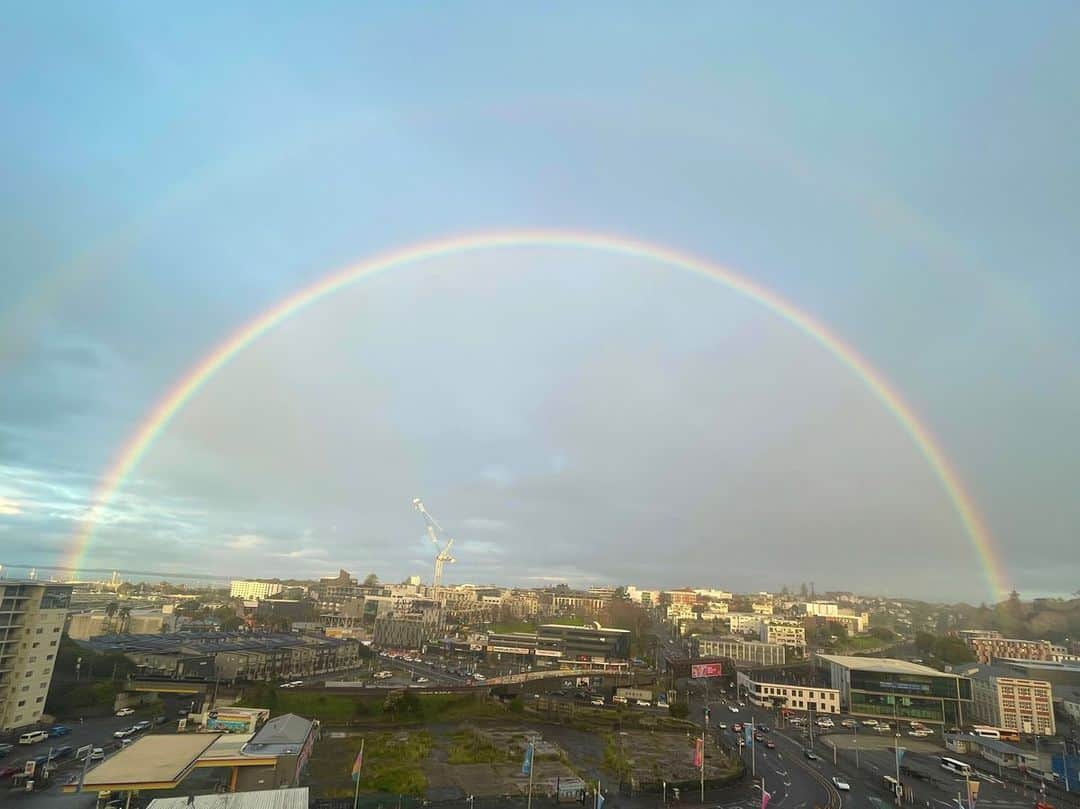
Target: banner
{"type": "Point", "coordinates": [358, 764]}
{"type": "Point", "coordinates": [765, 798]}
{"type": "Point", "coordinates": [699, 670]}
{"type": "Point", "coordinates": [527, 762]}
{"type": "Point", "coordinates": [699, 753]}
{"type": "Point", "coordinates": [749, 734]}
{"type": "Point", "coordinates": [973, 793]}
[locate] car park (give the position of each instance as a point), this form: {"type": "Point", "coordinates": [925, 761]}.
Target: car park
{"type": "Point", "coordinates": [841, 784]}
{"type": "Point", "coordinates": [125, 712]}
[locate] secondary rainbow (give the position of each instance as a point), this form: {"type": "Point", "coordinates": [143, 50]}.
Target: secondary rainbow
{"type": "Point", "coordinates": [202, 372]}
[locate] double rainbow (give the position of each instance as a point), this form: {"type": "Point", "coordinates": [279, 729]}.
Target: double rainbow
{"type": "Point", "coordinates": [142, 439]}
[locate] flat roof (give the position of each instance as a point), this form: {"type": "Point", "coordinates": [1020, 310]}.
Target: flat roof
{"type": "Point", "coordinates": [884, 665]}
{"type": "Point", "coordinates": [157, 761]}
{"type": "Point", "coordinates": [295, 798]}
{"type": "Point", "coordinates": [990, 744]}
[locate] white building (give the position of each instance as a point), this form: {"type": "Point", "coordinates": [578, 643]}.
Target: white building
{"type": "Point", "coordinates": [742, 651]}
{"type": "Point", "coordinates": [745, 621]}
{"type": "Point", "coordinates": [792, 697]}
{"type": "Point", "coordinates": [715, 595]}
{"type": "Point", "coordinates": [822, 609]}
{"type": "Point", "coordinates": [1003, 700]}
{"type": "Point", "coordinates": [253, 590]}
{"type": "Point", "coordinates": [784, 631]}
{"type": "Point", "coordinates": [33, 615]}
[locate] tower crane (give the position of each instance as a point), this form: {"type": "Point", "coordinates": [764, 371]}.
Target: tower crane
{"type": "Point", "coordinates": [442, 543]}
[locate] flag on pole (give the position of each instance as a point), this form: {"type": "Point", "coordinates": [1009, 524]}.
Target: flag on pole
{"type": "Point", "coordinates": [749, 734]}
{"type": "Point", "coordinates": [527, 762]}
{"type": "Point", "coordinates": [900, 754]}
{"type": "Point", "coordinates": [358, 764]}
{"type": "Point", "coordinates": [599, 798]}
{"type": "Point", "coordinates": [765, 798]}
{"type": "Point", "coordinates": [699, 753]}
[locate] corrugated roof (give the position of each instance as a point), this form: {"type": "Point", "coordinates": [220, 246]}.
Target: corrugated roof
{"type": "Point", "coordinates": [885, 665]}
{"type": "Point", "coordinates": [287, 730]}
{"type": "Point", "coordinates": [153, 759]}
{"type": "Point", "coordinates": [295, 798]}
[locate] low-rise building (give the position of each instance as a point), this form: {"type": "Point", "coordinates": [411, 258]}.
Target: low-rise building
{"type": "Point", "coordinates": [253, 589]}
{"type": "Point", "coordinates": [806, 698]}
{"type": "Point", "coordinates": [1001, 753]}
{"type": "Point", "coordinates": [986, 649]}
{"type": "Point", "coordinates": [584, 646]}
{"type": "Point", "coordinates": [741, 622]}
{"type": "Point", "coordinates": [741, 651]}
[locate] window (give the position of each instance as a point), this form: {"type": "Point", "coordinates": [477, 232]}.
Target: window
{"type": "Point", "coordinates": [34, 645]}
{"type": "Point", "coordinates": [32, 659]}
{"type": "Point", "coordinates": [40, 630]}
{"type": "Point", "coordinates": [49, 657]}
{"type": "Point", "coordinates": [28, 674]}
{"type": "Point", "coordinates": [21, 703]}
{"type": "Point", "coordinates": [40, 699]}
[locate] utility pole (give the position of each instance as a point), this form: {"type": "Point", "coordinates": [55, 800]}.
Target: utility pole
{"type": "Point", "coordinates": [703, 757]}
{"type": "Point", "coordinates": [856, 744]}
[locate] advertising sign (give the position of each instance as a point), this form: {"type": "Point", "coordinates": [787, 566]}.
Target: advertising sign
{"type": "Point", "coordinates": [509, 650]}
{"type": "Point", "coordinates": [699, 670]}
{"type": "Point", "coordinates": [548, 653]}
{"type": "Point", "coordinates": [28, 768]}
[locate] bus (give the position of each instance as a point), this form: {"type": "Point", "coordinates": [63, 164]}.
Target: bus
{"type": "Point", "coordinates": [1003, 734]}
{"type": "Point", "coordinates": [956, 766]}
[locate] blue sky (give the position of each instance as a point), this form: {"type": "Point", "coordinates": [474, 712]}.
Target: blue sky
{"type": "Point", "coordinates": [906, 175]}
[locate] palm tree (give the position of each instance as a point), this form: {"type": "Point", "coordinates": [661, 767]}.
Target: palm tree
{"type": "Point", "coordinates": [125, 619]}
{"type": "Point", "coordinates": [110, 612]}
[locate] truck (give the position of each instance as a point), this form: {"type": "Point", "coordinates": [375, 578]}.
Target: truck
{"type": "Point", "coordinates": [634, 694]}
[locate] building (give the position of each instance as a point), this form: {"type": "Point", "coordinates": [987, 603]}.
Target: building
{"type": "Point", "coordinates": [232, 655]}
{"type": "Point", "coordinates": [896, 689]}
{"type": "Point", "coordinates": [86, 625]}
{"type": "Point", "coordinates": [684, 596]}
{"type": "Point", "coordinates": [584, 646]}
{"type": "Point", "coordinates": [254, 590]}
{"type": "Point", "coordinates": [745, 622]}
{"type": "Point", "coordinates": [32, 615]}
{"type": "Point", "coordinates": [289, 739]}
{"type": "Point", "coordinates": [792, 697]}
{"type": "Point", "coordinates": [294, 798]}
{"type": "Point", "coordinates": [521, 644]}
{"type": "Point", "coordinates": [1002, 700]}
{"type": "Point", "coordinates": [986, 649]}
{"type": "Point", "coordinates": [821, 609]}
{"type": "Point", "coordinates": [741, 651]}
{"type": "Point", "coordinates": [564, 601]}
{"type": "Point", "coordinates": [1001, 753]}
{"type": "Point", "coordinates": [785, 631]}
{"type": "Point", "coordinates": [1058, 673]}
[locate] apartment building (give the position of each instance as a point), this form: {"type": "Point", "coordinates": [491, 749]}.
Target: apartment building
{"type": "Point", "coordinates": [1003, 700]}
{"type": "Point", "coordinates": [784, 631]}
{"type": "Point", "coordinates": [251, 590]}
{"type": "Point", "coordinates": [32, 615]}
{"type": "Point", "coordinates": [986, 649]}
{"type": "Point", "coordinates": [745, 621]}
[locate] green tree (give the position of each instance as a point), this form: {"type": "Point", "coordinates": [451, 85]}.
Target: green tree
{"type": "Point", "coordinates": [232, 623]}
{"type": "Point", "coordinates": [371, 580]}
{"type": "Point", "coordinates": [679, 709]}
{"type": "Point", "coordinates": [882, 633]}
{"type": "Point", "coordinates": [924, 642]}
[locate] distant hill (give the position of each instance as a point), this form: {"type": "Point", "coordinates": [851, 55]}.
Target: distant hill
{"type": "Point", "coordinates": [1051, 618]}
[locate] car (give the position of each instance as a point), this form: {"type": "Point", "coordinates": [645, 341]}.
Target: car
{"type": "Point", "coordinates": [64, 751]}
{"type": "Point", "coordinates": [182, 713]}
{"type": "Point", "coordinates": [5, 749]}
{"type": "Point", "coordinates": [770, 744]}
{"type": "Point", "coordinates": [8, 772]}
{"type": "Point", "coordinates": [597, 701]}
{"type": "Point", "coordinates": [849, 723]}
{"type": "Point", "coordinates": [643, 703]}
{"type": "Point", "coordinates": [125, 712]}
{"type": "Point", "coordinates": [733, 709]}
{"type": "Point", "coordinates": [870, 722]}
{"type": "Point", "coordinates": [763, 728]}
{"type": "Point", "coordinates": [125, 742]}
{"type": "Point", "coordinates": [160, 719]}
{"type": "Point", "coordinates": [825, 722]}
{"type": "Point", "coordinates": [59, 730]}
{"type": "Point", "coordinates": [841, 784]}
{"type": "Point", "coordinates": [97, 754]}
{"type": "Point", "coordinates": [810, 754]}
{"type": "Point", "coordinates": [141, 725]}
{"type": "Point", "coordinates": [422, 680]}
{"type": "Point", "coordinates": [123, 733]}
{"type": "Point", "coordinates": [721, 726]}
{"type": "Point", "coordinates": [33, 737]}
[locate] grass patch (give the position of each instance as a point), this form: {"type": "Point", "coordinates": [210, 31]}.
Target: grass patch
{"type": "Point", "coordinates": [398, 707]}
{"type": "Point", "coordinates": [469, 747]}
{"type": "Point", "coordinates": [615, 760]}
{"type": "Point", "coordinates": [392, 764]}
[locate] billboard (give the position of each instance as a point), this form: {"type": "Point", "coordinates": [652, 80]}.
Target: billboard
{"type": "Point", "coordinates": [698, 670]}
{"type": "Point", "coordinates": [509, 650]}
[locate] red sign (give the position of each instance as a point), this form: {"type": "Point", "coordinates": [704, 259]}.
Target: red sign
{"type": "Point", "coordinates": [705, 670]}
{"type": "Point", "coordinates": [699, 753]}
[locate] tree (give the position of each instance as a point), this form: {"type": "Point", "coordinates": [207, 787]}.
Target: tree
{"type": "Point", "coordinates": [924, 642]}
{"type": "Point", "coordinates": [232, 623]}
{"type": "Point", "coordinates": [882, 633]}
{"type": "Point", "coordinates": [371, 580]}
{"type": "Point", "coordinates": [679, 709]}
{"type": "Point", "coordinates": [124, 613]}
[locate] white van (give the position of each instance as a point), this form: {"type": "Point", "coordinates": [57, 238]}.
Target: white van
{"type": "Point", "coordinates": [33, 737]}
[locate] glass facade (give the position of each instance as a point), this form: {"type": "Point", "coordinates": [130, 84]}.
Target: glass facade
{"type": "Point", "coordinates": [910, 696]}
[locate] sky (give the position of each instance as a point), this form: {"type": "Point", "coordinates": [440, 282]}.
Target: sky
{"type": "Point", "coordinates": [908, 176]}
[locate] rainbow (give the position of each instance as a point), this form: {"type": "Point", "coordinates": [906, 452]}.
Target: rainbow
{"type": "Point", "coordinates": [163, 412]}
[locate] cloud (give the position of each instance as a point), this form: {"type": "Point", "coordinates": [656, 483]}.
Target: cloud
{"type": "Point", "coordinates": [8, 507]}
{"type": "Point", "coordinates": [245, 542]}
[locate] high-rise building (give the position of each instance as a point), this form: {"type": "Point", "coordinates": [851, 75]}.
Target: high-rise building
{"type": "Point", "coordinates": [32, 617]}
{"type": "Point", "coordinates": [250, 590]}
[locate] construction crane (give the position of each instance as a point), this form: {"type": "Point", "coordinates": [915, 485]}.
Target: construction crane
{"type": "Point", "coordinates": [442, 543]}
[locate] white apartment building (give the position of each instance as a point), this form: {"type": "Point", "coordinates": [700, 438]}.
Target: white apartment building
{"type": "Point", "coordinates": [251, 590]}
{"type": "Point", "coordinates": [715, 595]}
{"type": "Point", "coordinates": [783, 631]}
{"type": "Point", "coordinates": [822, 609]}
{"type": "Point", "coordinates": [792, 697]}
{"type": "Point", "coordinates": [745, 621]}
{"type": "Point", "coordinates": [32, 615]}
{"type": "Point", "coordinates": [742, 651]}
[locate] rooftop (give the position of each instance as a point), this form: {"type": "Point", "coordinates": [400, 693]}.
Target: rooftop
{"type": "Point", "coordinates": [157, 761]}
{"type": "Point", "coordinates": [883, 665]}
{"type": "Point", "coordinates": [996, 745]}
{"type": "Point", "coordinates": [262, 799]}
{"type": "Point", "coordinates": [282, 735]}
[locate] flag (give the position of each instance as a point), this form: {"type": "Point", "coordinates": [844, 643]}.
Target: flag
{"type": "Point", "coordinates": [599, 799]}
{"type": "Point", "coordinates": [527, 762]}
{"type": "Point", "coordinates": [973, 793]}
{"type": "Point", "coordinates": [765, 798]}
{"type": "Point", "coordinates": [900, 754]}
{"type": "Point", "coordinates": [749, 734]}
{"type": "Point", "coordinates": [358, 764]}
{"type": "Point", "coordinates": [699, 753]}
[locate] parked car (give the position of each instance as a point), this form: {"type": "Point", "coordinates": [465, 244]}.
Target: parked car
{"type": "Point", "coordinates": [33, 737]}
{"type": "Point", "coordinates": [643, 703]}
{"type": "Point", "coordinates": [59, 730]}
{"type": "Point", "coordinates": [841, 784]}
{"type": "Point", "coordinates": [123, 733]}
{"type": "Point", "coordinates": [733, 709]}
{"type": "Point", "coordinates": [849, 723]}
{"type": "Point", "coordinates": [97, 754]}
{"type": "Point", "coordinates": [125, 712]}
{"type": "Point", "coordinates": [141, 725]}
{"type": "Point", "coordinates": [63, 752]}
{"type": "Point", "coordinates": [597, 701]}
{"type": "Point", "coordinates": [160, 719]}
{"type": "Point", "coordinates": [770, 744]}
{"type": "Point", "coordinates": [8, 772]}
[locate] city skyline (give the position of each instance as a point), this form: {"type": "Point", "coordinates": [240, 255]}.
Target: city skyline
{"type": "Point", "coordinates": [568, 413]}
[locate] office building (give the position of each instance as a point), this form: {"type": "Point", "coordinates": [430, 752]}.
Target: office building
{"type": "Point", "coordinates": [586, 646]}
{"type": "Point", "coordinates": [805, 698]}
{"type": "Point", "coordinates": [887, 688]}
{"type": "Point", "coordinates": [251, 590]}
{"type": "Point", "coordinates": [740, 622]}
{"type": "Point", "coordinates": [1003, 700]}
{"type": "Point", "coordinates": [32, 615]}
{"type": "Point", "coordinates": [741, 651]}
